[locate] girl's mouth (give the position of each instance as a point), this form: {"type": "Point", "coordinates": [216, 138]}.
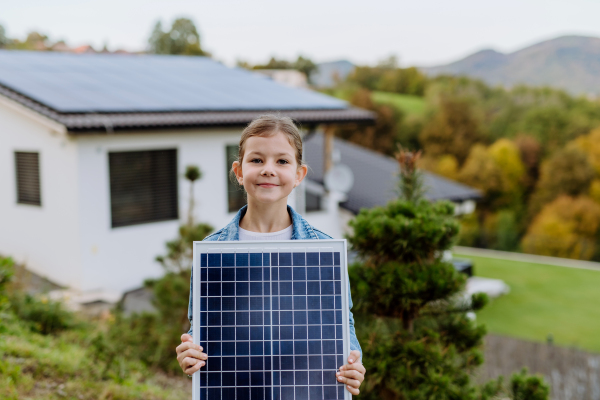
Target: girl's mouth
{"type": "Point", "coordinates": [267, 185]}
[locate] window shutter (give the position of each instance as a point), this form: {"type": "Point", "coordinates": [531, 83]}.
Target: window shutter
{"type": "Point", "coordinates": [143, 187]}
{"type": "Point", "coordinates": [27, 166]}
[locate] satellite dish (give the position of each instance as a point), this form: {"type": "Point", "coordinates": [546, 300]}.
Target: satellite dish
{"type": "Point", "coordinates": [339, 179]}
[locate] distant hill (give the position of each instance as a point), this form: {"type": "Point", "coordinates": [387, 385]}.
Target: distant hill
{"type": "Point", "coordinates": [327, 73]}
{"type": "Point", "coordinates": [571, 63]}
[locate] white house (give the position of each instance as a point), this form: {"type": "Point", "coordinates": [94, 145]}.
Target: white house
{"type": "Point", "coordinates": [93, 148]}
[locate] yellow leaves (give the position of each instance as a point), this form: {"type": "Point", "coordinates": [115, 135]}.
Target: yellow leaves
{"type": "Point", "coordinates": [567, 227]}
{"type": "Point", "coordinates": [446, 165]}
{"type": "Point", "coordinates": [590, 145]}
{"type": "Point", "coordinates": [506, 155]}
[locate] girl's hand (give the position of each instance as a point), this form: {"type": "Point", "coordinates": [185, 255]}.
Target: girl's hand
{"type": "Point", "coordinates": [353, 373]}
{"type": "Point", "coordinates": [189, 355]}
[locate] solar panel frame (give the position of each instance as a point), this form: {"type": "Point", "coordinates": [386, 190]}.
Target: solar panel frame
{"type": "Point", "coordinates": [202, 278]}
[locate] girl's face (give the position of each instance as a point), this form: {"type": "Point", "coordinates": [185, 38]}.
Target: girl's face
{"type": "Point", "coordinates": [269, 170]}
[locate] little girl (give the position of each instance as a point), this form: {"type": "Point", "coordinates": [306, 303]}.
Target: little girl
{"type": "Point", "coordinates": [269, 166]}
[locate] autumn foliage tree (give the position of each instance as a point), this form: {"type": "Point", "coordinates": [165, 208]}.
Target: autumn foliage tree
{"type": "Point", "coordinates": [567, 227]}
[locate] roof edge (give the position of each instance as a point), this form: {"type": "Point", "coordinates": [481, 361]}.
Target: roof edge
{"type": "Point", "coordinates": [77, 123]}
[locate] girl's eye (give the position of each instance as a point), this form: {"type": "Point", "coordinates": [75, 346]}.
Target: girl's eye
{"type": "Point", "coordinates": [255, 159]}
{"type": "Point", "coordinates": [284, 161]}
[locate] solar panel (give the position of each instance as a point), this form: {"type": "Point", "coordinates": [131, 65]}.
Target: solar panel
{"type": "Point", "coordinates": [145, 83]}
{"type": "Point", "coordinates": [273, 319]}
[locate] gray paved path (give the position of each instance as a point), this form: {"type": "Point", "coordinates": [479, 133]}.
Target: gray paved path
{"type": "Point", "coordinates": [530, 258]}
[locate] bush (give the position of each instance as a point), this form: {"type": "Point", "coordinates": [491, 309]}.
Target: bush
{"type": "Point", "coordinates": [42, 315]}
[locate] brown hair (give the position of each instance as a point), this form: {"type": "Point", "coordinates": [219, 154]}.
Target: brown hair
{"type": "Point", "coordinates": [269, 125]}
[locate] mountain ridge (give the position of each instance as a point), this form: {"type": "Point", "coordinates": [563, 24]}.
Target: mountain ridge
{"type": "Point", "coordinates": [567, 62]}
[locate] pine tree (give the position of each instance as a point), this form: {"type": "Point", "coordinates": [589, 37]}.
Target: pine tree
{"type": "Point", "coordinates": [412, 322]}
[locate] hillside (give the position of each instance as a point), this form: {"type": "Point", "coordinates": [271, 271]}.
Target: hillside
{"type": "Point", "coordinates": [571, 63]}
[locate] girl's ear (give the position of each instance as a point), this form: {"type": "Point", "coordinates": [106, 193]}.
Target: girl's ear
{"type": "Point", "coordinates": [300, 174]}
{"type": "Point", "coordinates": [237, 169]}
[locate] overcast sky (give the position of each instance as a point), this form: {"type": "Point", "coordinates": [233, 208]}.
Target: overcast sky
{"type": "Point", "coordinates": [422, 32]}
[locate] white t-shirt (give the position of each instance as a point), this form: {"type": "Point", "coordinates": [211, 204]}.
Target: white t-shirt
{"type": "Point", "coordinates": [285, 234]}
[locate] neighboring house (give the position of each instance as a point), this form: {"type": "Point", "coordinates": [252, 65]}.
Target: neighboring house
{"type": "Point", "coordinates": [375, 180]}
{"type": "Point", "coordinates": [93, 148]}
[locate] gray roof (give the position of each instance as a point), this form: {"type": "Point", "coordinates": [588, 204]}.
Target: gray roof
{"type": "Point", "coordinates": [376, 176]}
{"type": "Point", "coordinates": [91, 91]}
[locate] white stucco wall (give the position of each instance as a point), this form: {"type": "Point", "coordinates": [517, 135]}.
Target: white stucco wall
{"type": "Point", "coordinates": [118, 259]}
{"type": "Point", "coordinates": [45, 238]}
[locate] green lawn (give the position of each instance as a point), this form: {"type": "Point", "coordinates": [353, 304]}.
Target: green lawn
{"type": "Point", "coordinates": [411, 105]}
{"type": "Point", "coordinates": [543, 299]}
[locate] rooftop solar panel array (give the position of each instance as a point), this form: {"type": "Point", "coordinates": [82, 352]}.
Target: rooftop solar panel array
{"type": "Point", "coordinates": [84, 83]}
{"type": "Point", "coordinates": [272, 322]}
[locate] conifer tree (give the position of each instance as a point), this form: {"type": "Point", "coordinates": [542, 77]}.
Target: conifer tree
{"type": "Point", "coordinates": [412, 322]}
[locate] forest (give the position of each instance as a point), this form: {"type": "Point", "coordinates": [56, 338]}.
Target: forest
{"type": "Point", "coordinates": [533, 152]}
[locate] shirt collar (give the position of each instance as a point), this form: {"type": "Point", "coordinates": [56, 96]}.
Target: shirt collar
{"type": "Point", "coordinates": [301, 228]}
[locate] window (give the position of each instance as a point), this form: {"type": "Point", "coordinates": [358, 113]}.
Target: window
{"type": "Point", "coordinates": [236, 196]}
{"type": "Point", "coordinates": [313, 202]}
{"type": "Point", "coordinates": [143, 186]}
{"type": "Point", "coordinates": [27, 166]}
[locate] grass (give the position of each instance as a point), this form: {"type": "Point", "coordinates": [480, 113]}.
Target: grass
{"type": "Point", "coordinates": [410, 105]}
{"type": "Point", "coordinates": [63, 366]}
{"type": "Point", "coordinates": [544, 300]}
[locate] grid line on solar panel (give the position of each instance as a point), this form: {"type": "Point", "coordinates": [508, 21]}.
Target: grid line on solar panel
{"type": "Point", "coordinates": [271, 323]}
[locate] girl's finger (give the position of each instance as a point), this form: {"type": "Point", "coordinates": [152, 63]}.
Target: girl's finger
{"type": "Point", "coordinates": [354, 355]}
{"type": "Point", "coordinates": [356, 366]}
{"type": "Point", "coordinates": [348, 381]}
{"type": "Point", "coordinates": [353, 390]}
{"type": "Point", "coordinates": [352, 374]}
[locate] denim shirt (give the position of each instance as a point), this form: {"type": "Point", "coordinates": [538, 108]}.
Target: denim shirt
{"type": "Point", "coordinates": [302, 230]}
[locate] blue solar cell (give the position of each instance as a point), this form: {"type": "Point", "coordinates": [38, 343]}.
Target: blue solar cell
{"type": "Point", "coordinates": [214, 333]}
{"type": "Point", "coordinates": [241, 259]}
{"type": "Point", "coordinates": [257, 379]}
{"type": "Point", "coordinates": [326, 287]}
{"type": "Point", "coordinates": [329, 362]}
{"type": "Point", "coordinates": [329, 392]}
{"type": "Point", "coordinates": [313, 288]}
{"type": "Point", "coordinates": [315, 392]}
{"type": "Point", "coordinates": [326, 258]}
{"type": "Point", "coordinates": [204, 274]}
{"type": "Point", "coordinates": [327, 273]}
{"type": "Point", "coordinates": [287, 378]}
{"type": "Point", "coordinates": [256, 274]}
{"type": "Point", "coordinates": [329, 347]}
{"type": "Point", "coordinates": [228, 318]}
{"type": "Point", "coordinates": [327, 302]}
{"type": "Point", "coordinates": [336, 273]}
{"type": "Point", "coordinates": [314, 317]}
{"type": "Point", "coordinates": [203, 258]}
{"type": "Point", "coordinates": [203, 304]}
{"type": "Point", "coordinates": [314, 332]}
{"type": "Point", "coordinates": [228, 379]}
{"type": "Point", "coordinates": [242, 333]}
{"type": "Point", "coordinates": [299, 259]}
{"type": "Point", "coordinates": [300, 332]}
{"type": "Point", "coordinates": [228, 274]}
{"type": "Point", "coordinates": [228, 393]}
{"type": "Point", "coordinates": [213, 348]}
{"type": "Point", "coordinates": [285, 259]}
{"type": "Point", "coordinates": [266, 259]}
{"type": "Point", "coordinates": [228, 348]}
{"type": "Point", "coordinates": [300, 318]}
{"type": "Point", "coordinates": [242, 288]}
{"type": "Point", "coordinates": [300, 347]}
{"type": "Point", "coordinates": [299, 273]}
{"type": "Point", "coordinates": [214, 318]}
{"type": "Point", "coordinates": [328, 317]}
{"type": "Point", "coordinates": [336, 258]}
{"type": "Point", "coordinates": [214, 260]}
{"type": "Point", "coordinates": [312, 273]}
{"type": "Point", "coordinates": [338, 302]}
{"type": "Point", "coordinates": [228, 333]}
{"type": "Point", "coordinates": [228, 303]}
{"type": "Point", "coordinates": [274, 259]}
{"type": "Point", "coordinates": [285, 273]}
{"type": "Point", "coordinates": [301, 377]}
{"type": "Point", "coordinates": [242, 318]}
{"type": "Point", "coordinates": [214, 364]}
{"type": "Point", "coordinates": [287, 392]}
{"type": "Point", "coordinates": [256, 259]}
{"type": "Point", "coordinates": [228, 289]}
{"type": "Point", "coordinates": [214, 274]}
{"type": "Point", "coordinates": [228, 259]}
{"type": "Point", "coordinates": [312, 258]}
{"type": "Point", "coordinates": [243, 379]}
{"type": "Point", "coordinates": [256, 288]}
{"type": "Point", "coordinates": [328, 331]}
{"type": "Point", "coordinates": [338, 317]}
{"type": "Point", "coordinates": [267, 273]}
{"type": "Point", "coordinates": [285, 303]}
{"type": "Point", "coordinates": [242, 348]}
{"type": "Point", "coordinates": [299, 302]}
{"type": "Point", "coordinates": [242, 303]}
{"type": "Point", "coordinates": [339, 332]}
{"type": "Point", "coordinates": [338, 287]}
{"type": "Point", "coordinates": [256, 348]}
{"type": "Point", "coordinates": [287, 362]}
{"type": "Point", "coordinates": [241, 274]}
{"type": "Point", "coordinates": [256, 318]}
{"type": "Point", "coordinates": [313, 302]}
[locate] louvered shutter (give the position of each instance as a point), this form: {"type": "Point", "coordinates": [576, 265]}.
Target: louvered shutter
{"type": "Point", "coordinates": [143, 186]}
{"type": "Point", "coordinates": [27, 166]}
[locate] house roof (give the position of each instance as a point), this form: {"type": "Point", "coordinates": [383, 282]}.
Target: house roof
{"type": "Point", "coordinates": [127, 91]}
{"type": "Point", "coordinates": [376, 176]}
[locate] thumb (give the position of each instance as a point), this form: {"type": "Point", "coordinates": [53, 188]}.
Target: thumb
{"type": "Point", "coordinates": [186, 338]}
{"type": "Point", "coordinates": [354, 355]}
